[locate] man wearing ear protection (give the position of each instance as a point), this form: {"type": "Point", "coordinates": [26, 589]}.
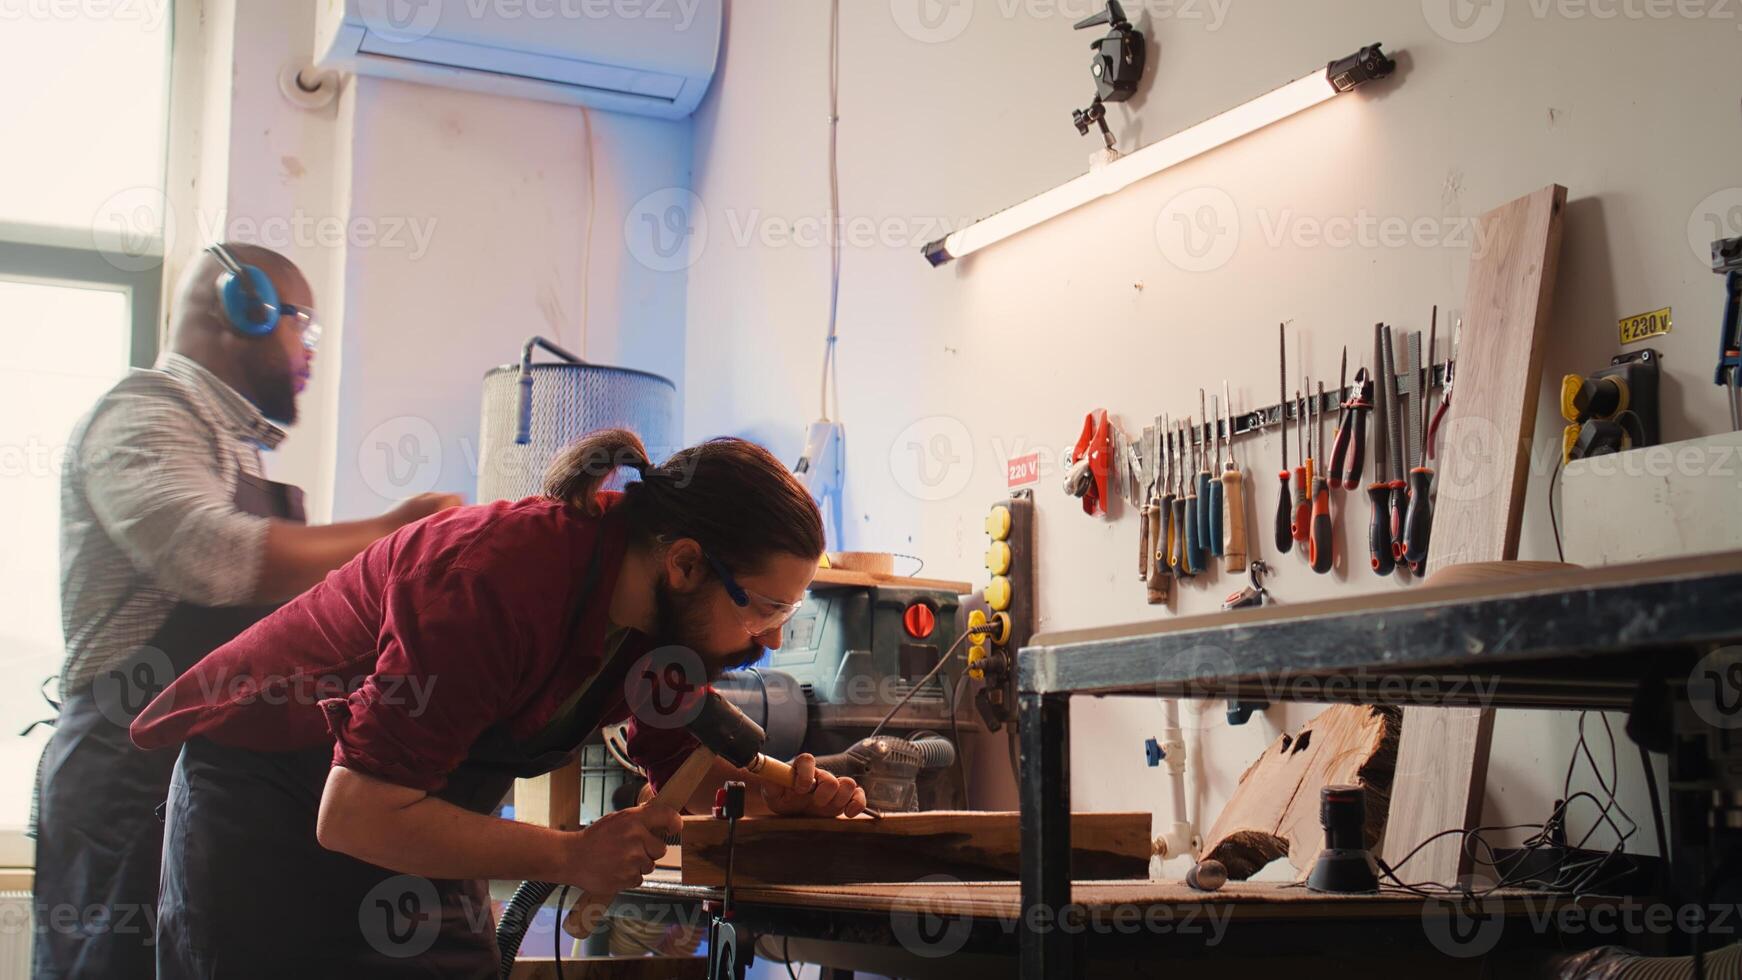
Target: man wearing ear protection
{"type": "Point", "coordinates": [173, 542]}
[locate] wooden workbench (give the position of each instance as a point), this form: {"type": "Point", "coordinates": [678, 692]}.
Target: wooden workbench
{"type": "Point", "coordinates": [960, 930]}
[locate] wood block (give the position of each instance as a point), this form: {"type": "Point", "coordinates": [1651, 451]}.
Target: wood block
{"type": "Point", "coordinates": [551, 800]}
{"type": "Point", "coordinates": [903, 847]}
{"type": "Point", "coordinates": [1275, 810]}
{"type": "Point", "coordinates": [1483, 467]}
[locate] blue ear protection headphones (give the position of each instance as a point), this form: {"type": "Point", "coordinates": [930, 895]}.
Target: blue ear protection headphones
{"type": "Point", "coordinates": [250, 300]}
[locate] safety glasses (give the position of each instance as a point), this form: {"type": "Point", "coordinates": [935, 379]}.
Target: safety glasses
{"type": "Point", "coordinates": [306, 321]}
{"type": "Point", "coordinates": [759, 613]}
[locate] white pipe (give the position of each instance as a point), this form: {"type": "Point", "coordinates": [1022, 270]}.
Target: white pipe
{"type": "Point", "coordinates": [1180, 838]}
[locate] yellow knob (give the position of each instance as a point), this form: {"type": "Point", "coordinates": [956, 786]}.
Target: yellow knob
{"type": "Point", "coordinates": [998, 558]}
{"type": "Point", "coordinates": [1002, 620]}
{"type": "Point", "coordinates": [998, 593]}
{"type": "Point", "coordinates": [976, 619]}
{"type": "Point", "coordinates": [998, 523]}
{"type": "Point", "coordinates": [976, 656]}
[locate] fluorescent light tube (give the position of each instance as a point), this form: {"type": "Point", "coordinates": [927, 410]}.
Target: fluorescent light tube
{"type": "Point", "coordinates": [1322, 85]}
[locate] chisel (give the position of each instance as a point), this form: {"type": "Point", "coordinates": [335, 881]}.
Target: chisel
{"type": "Point", "coordinates": [1217, 547]}
{"type": "Point", "coordinates": [1322, 557]}
{"type": "Point", "coordinates": [1181, 518]}
{"type": "Point", "coordinates": [1194, 525]}
{"type": "Point", "coordinates": [1379, 491]}
{"type": "Point", "coordinates": [1160, 584]}
{"type": "Point", "coordinates": [1284, 522]}
{"type": "Point", "coordinates": [1203, 476]}
{"type": "Point", "coordinates": [1234, 496]}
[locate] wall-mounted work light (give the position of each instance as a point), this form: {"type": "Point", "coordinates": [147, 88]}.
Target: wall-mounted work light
{"type": "Point", "coordinates": [1339, 76]}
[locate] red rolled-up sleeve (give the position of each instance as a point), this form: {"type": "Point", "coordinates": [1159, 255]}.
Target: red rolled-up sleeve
{"type": "Point", "coordinates": [449, 661]}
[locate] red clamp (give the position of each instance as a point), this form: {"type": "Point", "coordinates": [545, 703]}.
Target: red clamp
{"type": "Point", "coordinates": [1095, 445]}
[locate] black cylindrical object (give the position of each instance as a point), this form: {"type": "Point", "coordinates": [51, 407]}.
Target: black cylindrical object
{"type": "Point", "coordinates": [1344, 866]}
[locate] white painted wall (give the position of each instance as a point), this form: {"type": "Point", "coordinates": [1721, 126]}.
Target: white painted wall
{"type": "Point", "coordinates": [499, 190]}
{"type": "Point", "coordinates": [440, 229]}
{"type": "Point", "coordinates": [958, 109]}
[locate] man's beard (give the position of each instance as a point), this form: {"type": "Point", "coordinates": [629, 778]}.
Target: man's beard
{"type": "Point", "coordinates": [274, 389]}
{"type": "Point", "coordinates": [678, 622]}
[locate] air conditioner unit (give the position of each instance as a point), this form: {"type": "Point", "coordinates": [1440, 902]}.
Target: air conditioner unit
{"type": "Point", "coordinates": [647, 57]}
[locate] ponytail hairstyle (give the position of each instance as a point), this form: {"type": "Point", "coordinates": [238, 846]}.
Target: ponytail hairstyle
{"type": "Point", "coordinates": [730, 495]}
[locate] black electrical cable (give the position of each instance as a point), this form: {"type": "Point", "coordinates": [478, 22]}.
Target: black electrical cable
{"type": "Point", "coordinates": [1579, 877]}
{"type": "Point", "coordinates": [1554, 521]}
{"type": "Point", "coordinates": [786, 954]}
{"type": "Point", "coordinates": [923, 681]}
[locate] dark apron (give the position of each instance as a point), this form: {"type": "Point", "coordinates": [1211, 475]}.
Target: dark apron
{"type": "Point", "coordinates": [248, 891]}
{"type": "Point", "coordinates": [99, 836]}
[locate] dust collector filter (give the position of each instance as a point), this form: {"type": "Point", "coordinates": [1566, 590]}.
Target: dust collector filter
{"type": "Point", "coordinates": [532, 411]}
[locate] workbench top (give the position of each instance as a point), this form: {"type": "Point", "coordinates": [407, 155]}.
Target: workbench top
{"type": "Point", "coordinates": [1566, 638]}
{"type": "Point", "coordinates": [1003, 899]}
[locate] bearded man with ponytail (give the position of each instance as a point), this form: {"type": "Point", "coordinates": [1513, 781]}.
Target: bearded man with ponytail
{"type": "Point", "coordinates": [348, 751]}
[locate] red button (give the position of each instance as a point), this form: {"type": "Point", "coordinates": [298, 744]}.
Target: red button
{"type": "Point", "coordinates": [919, 620]}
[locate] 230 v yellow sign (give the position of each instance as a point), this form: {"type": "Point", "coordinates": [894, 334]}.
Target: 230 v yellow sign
{"type": "Point", "coordinates": [1645, 325]}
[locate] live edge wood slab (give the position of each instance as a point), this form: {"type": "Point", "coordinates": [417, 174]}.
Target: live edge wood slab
{"type": "Point", "coordinates": [903, 847]}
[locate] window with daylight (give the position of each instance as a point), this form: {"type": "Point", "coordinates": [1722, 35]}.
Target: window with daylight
{"type": "Point", "coordinates": [81, 245]}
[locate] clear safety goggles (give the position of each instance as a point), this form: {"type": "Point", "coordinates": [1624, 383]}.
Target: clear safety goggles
{"type": "Point", "coordinates": [760, 614]}
{"type": "Point", "coordinates": [306, 321]}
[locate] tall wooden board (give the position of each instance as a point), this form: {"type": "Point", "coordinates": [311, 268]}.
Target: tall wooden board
{"type": "Point", "coordinates": [1483, 466]}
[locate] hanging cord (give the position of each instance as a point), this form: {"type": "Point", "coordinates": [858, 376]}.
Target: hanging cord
{"type": "Point", "coordinates": [923, 681]}
{"type": "Point", "coordinates": [831, 376]}
{"type": "Point", "coordinates": [587, 239]}
{"type": "Point", "coordinates": [1554, 521]}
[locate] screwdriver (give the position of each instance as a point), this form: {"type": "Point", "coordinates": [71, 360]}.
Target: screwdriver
{"type": "Point", "coordinates": [1234, 495]}
{"type": "Point", "coordinates": [1203, 477]}
{"type": "Point", "coordinates": [1340, 441]}
{"type": "Point", "coordinates": [1215, 484]}
{"type": "Point", "coordinates": [1379, 491]}
{"type": "Point", "coordinates": [1418, 522]}
{"type": "Point", "coordinates": [1284, 524]}
{"type": "Point", "coordinates": [1302, 488]}
{"type": "Point", "coordinates": [1322, 556]}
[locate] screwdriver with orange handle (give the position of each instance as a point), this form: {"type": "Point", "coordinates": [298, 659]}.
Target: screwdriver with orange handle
{"type": "Point", "coordinates": [1322, 548]}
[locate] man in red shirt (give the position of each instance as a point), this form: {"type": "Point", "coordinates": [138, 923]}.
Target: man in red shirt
{"type": "Point", "coordinates": [331, 812]}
